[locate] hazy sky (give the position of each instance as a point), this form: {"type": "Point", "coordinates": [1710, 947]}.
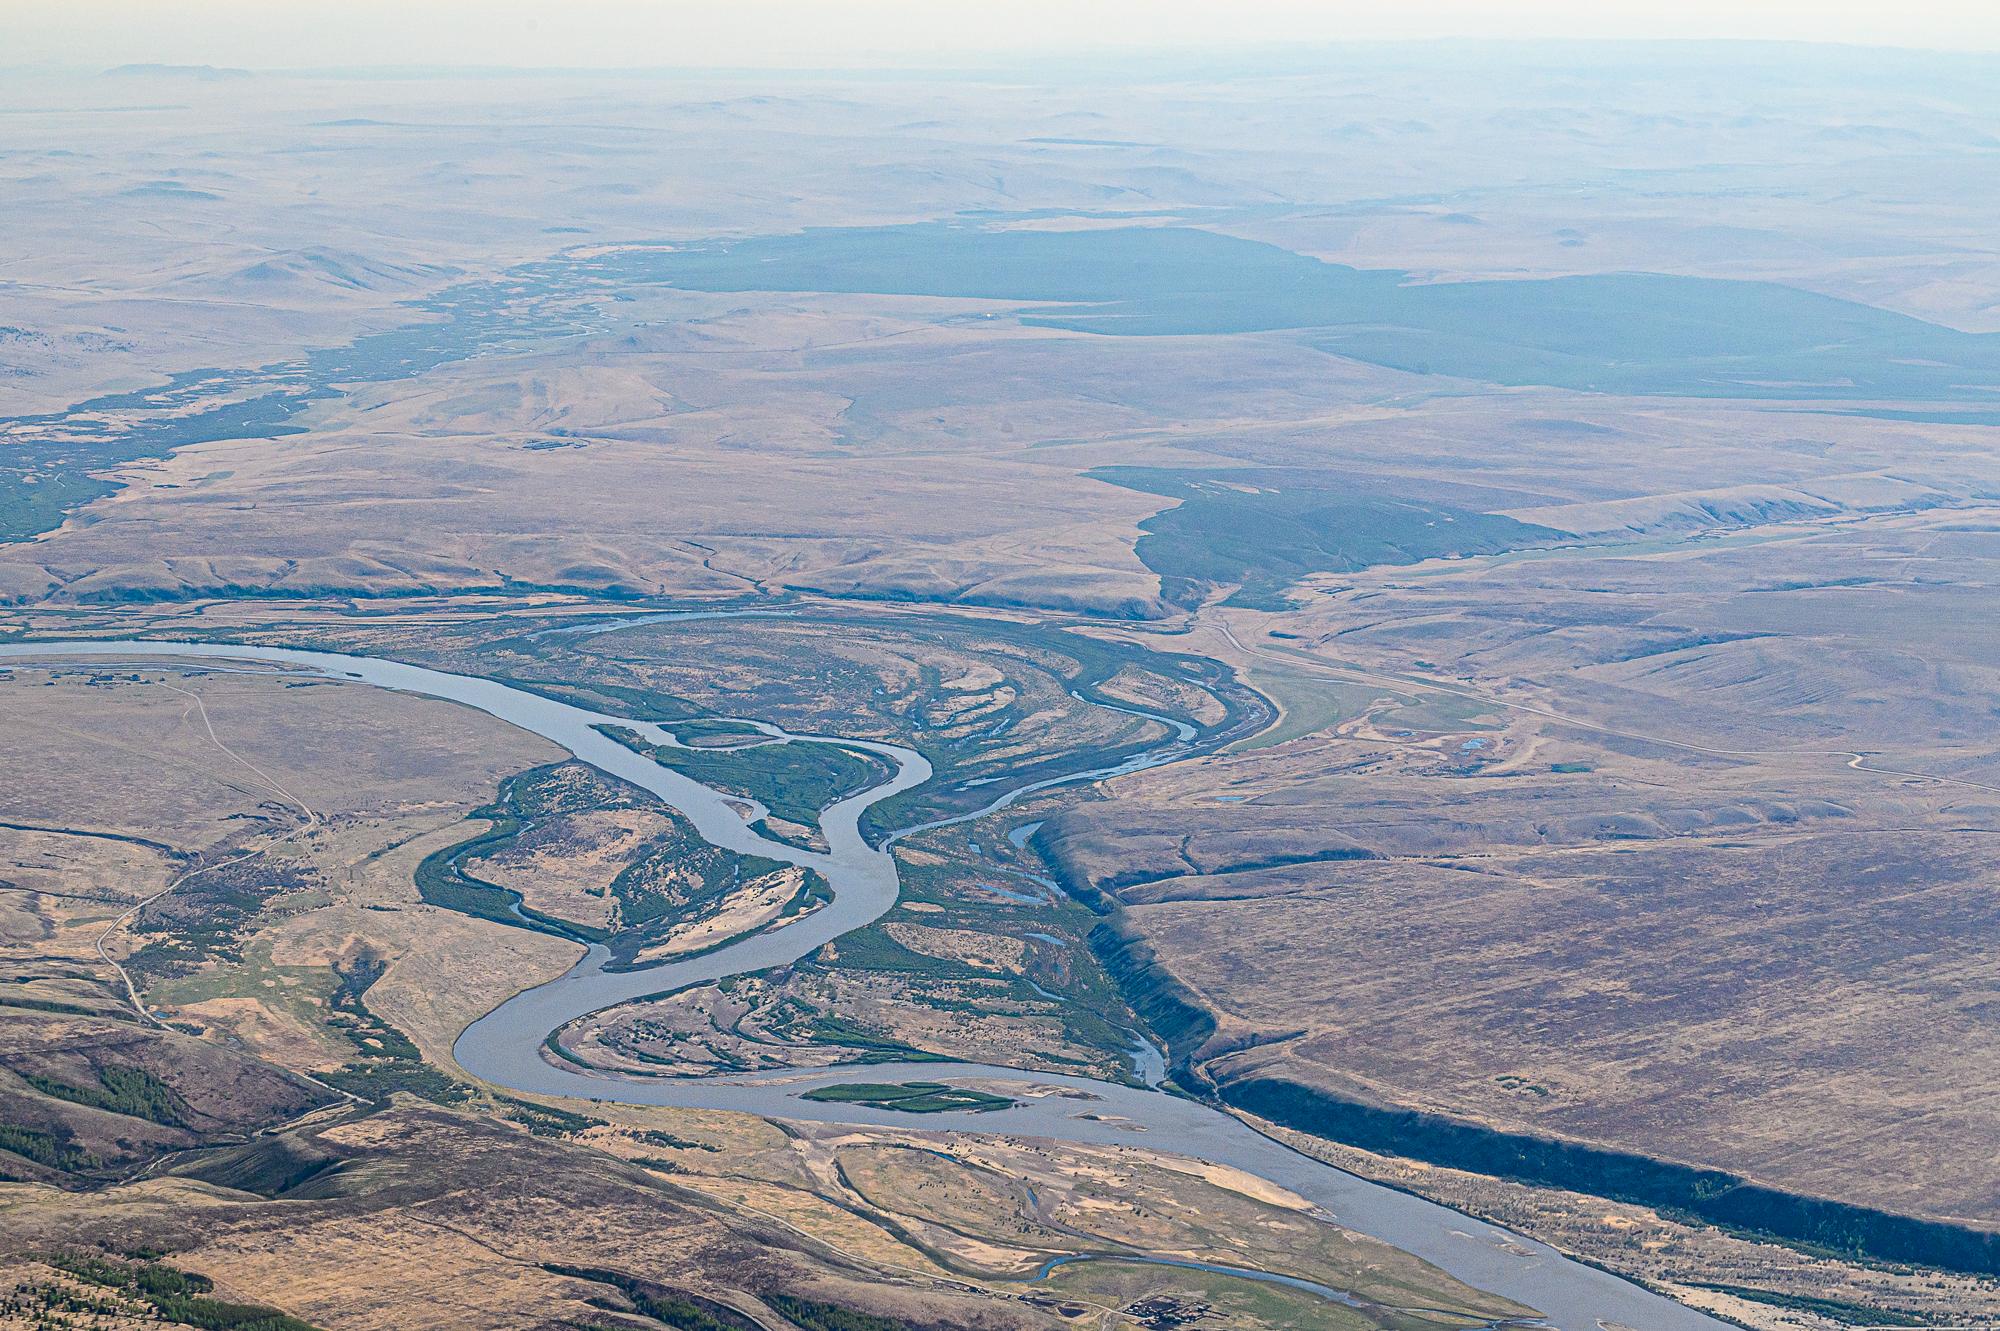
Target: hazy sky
{"type": "Point", "coordinates": [651, 33]}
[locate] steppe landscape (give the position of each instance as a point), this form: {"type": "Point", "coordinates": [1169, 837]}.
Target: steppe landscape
{"type": "Point", "coordinates": [1437, 602]}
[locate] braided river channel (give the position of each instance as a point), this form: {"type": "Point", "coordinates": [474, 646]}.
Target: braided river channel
{"type": "Point", "coordinates": [506, 1046]}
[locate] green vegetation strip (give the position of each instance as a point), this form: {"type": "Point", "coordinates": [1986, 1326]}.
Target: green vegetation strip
{"type": "Point", "coordinates": [1833, 1310]}
{"type": "Point", "coordinates": [794, 781]}
{"type": "Point", "coordinates": [910, 1097]}
{"type": "Point", "coordinates": [49, 1005]}
{"type": "Point", "coordinates": [1709, 1195]}
{"type": "Point", "coordinates": [388, 1061]}
{"type": "Point", "coordinates": [812, 1315]}
{"type": "Point", "coordinates": [650, 890]}
{"type": "Point", "coordinates": [681, 1311]}
{"type": "Point", "coordinates": [442, 880]}
{"type": "Point", "coordinates": [179, 1298]}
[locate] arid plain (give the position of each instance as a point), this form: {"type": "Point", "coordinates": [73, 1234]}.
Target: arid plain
{"type": "Point", "coordinates": [1584, 802]}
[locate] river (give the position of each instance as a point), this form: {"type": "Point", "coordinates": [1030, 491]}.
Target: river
{"type": "Point", "coordinates": [505, 1046]}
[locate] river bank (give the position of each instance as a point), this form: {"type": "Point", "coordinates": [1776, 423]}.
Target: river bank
{"type": "Point", "coordinates": [505, 1046]}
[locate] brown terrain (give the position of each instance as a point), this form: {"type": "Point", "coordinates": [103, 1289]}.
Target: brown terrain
{"type": "Point", "coordinates": [212, 1154]}
{"type": "Point", "coordinates": [1601, 853]}
{"type": "Point", "coordinates": [1658, 830]}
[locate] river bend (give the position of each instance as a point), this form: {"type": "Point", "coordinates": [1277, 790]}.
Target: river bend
{"type": "Point", "coordinates": [505, 1046]}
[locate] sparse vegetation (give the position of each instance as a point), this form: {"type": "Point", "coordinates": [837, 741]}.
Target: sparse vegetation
{"type": "Point", "coordinates": [178, 1298]}
{"type": "Point", "coordinates": [813, 1315]}
{"type": "Point", "coordinates": [545, 1120]}
{"type": "Point", "coordinates": [666, 877]}
{"type": "Point", "coordinates": [794, 781]}
{"type": "Point", "coordinates": [1555, 497]}
{"type": "Point", "coordinates": [678, 1310]}
{"type": "Point", "coordinates": [442, 879]}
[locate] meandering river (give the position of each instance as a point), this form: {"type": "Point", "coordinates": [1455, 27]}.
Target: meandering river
{"type": "Point", "coordinates": [505, 1046]}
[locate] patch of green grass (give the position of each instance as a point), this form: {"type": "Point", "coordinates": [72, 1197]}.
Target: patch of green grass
{"type": "Point", "coordinates": [309, 994]}
{"type": "Point", "coordinates": [871, 949]}
{"type": "Point", "coordinates": [1444, 714]}
{"type": "Point", "coordinates": [1309, 705]}
{"type": "Point", "coordinates": [824, 1029]}
{"type": "Point", "coordinates": [794, 781]}
{"type": "Point", "coordinates": [910, 1097]}
{"type": "Point", "coordinates": [385, 1059]}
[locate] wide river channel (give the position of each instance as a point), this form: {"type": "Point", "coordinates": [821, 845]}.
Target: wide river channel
{"type": "Point", "coordinates": [505, 1046]}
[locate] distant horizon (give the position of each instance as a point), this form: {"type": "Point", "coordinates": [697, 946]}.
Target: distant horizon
{"type": "Point", "coordinates": [1287, 59]}
{"type": "Point", "coordinates": [903, 35]}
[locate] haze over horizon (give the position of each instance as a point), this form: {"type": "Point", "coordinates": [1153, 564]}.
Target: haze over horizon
{"type": "Point", "coordinates": [780, 34]}
{"type": "Point", "coordinates": [851, 665]}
